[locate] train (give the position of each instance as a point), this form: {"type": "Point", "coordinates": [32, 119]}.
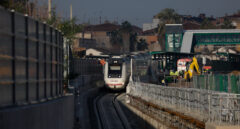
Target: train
{"type": "Point", "coordinates": [117, 72]}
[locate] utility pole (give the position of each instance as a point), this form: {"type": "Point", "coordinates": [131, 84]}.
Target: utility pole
{"type": "Point", "coordinates": [49, 9]}
{"type": "Point", "coordinates": [71, 12]}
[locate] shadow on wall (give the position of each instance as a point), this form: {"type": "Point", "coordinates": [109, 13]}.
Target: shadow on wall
{"type": "Point", "coordinates": [55, 114]}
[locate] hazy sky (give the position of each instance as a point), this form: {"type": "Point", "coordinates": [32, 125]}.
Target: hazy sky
{"type": "Point", "coordinates": [141, 11]}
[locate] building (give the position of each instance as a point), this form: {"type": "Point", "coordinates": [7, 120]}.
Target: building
{"type": "Point", "coordinates": [150, 26]}
{"type": "Point", "coordinates": [191, 25]}
{"type": "Point", "coordinates": [101, 34]}
{"type": "Point", "coordinates": [94, 36]}
{"type": "Point", "coordinates": [151, 37]}
{"type": "Point", "coordinates": [93, 52]}
{"type": "Point", "coordinates": [235, 18]}
{"type": "Point", "coordinates": [202, 41]}
{"type": "Point", "coordinates": [199, 19]}
{"type": "Point", "coordinates": [152, 41]}
{"type": "Point", "coordinates": [211, 41]}
{"type": "Point", "coordinates": [173, 37]}
{"type": "Point", "coordinates": [99, 37]}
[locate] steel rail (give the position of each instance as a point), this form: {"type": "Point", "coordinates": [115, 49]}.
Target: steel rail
{"type": "Point", "coordinates": [103, 121]}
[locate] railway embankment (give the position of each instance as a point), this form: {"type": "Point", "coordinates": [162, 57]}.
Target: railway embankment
{"type": "Point", "coordinates": [185, 107]}
{"type": "Point", "coordinates": [157, 107]}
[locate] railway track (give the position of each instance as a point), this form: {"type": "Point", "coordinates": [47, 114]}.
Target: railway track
{"type": "Point", "coordinates": [109, 113]}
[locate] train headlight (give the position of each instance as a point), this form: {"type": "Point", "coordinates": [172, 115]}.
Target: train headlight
{"type": "Point", "coordinates": [109, 76]}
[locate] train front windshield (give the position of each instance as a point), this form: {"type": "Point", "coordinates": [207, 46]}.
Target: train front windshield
{"type": "Point", "coordinates": [115, 70]}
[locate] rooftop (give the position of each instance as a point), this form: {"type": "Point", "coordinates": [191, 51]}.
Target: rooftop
{"type": "Point", "coordinates": [150, 32]}
{"type": "Point", "coordinates": [214, 31]}
{"type": "Point", "coordinates": [191, 26]}
{"type": "Point", "coordinates": [110, 27]}
{"type": "Point", "coordinates": [102, 27]}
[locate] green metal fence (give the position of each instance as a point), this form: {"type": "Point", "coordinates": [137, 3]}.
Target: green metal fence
{"type": "Point", "coordinates": [218, 82]}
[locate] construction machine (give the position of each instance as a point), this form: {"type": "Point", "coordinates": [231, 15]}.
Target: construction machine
{"type": "Point", "coordinates": [192, 68]}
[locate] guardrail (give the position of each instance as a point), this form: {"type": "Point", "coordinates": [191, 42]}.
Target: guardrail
{"type": "Point", "coordinates": [218, 82]}
{"type": "Point", "coordinates": [31, 60]}
{"type": "Point", "coordinates": [204, 105]}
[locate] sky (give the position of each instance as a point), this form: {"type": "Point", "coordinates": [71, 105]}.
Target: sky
{"type": "Point", "coordinates": [138, 12]}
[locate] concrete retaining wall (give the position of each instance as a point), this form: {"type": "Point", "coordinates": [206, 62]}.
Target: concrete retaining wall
{"type": "Point", "coordinates": [55, 114]}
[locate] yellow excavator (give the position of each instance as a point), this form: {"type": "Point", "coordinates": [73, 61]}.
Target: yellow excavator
{"type": "Point", "coordinates": [191, 69]}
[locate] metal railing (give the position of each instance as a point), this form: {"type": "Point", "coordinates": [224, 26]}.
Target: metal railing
{"type": "Point", "coordinates": [204, 105]}
{"type": "Point", "coordinates": [31, 60]}
{"type": "Point", "coordinates": [218, 82]}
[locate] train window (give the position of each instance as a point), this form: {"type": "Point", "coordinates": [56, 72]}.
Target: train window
{"type": "Point", "coordinates": [115, 68]}
{"type": "Point", "coordinates": [180, 63]}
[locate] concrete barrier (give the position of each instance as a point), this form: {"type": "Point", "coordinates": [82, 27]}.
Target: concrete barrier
{"type": "Point", "coordinates": [55, 114]}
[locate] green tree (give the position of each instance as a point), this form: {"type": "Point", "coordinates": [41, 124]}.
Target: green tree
{"type": "Point", "coordinates": [127, 31]}
{"type": "Point", "coordinates": [5, 3]}
{"type": "Point", "coordinates": [18, 6]}
{"type": "Point", "coordinates": [54, 20]}
{"type": "Point", "coordinates": [124, 36]}
{"type": "Point", "coordinates": [116, 38]}
{"type": "Point", "coordinates": [69, 28]}
{"type": "Point", "coordinates": [227, 24]}
{"type": "Point", "coordinates": [142, 45]}
{"type": "Point", "coordinates": [206, 24]}
{"type": "Point", "coordinates": [126, 27]}
{"type": "Point", "coordinates": [133, 41]}
{"type": "Point", "coordinates": [166, 16]}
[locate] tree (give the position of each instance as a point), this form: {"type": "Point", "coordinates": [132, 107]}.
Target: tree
{"type": "Point", "coordinates": [5, 3]}
{"type": "Point", "coordinates": [125, 37]}
{"type": "Point", "coordinates": [166, 16]}
{"type": "Point", "coordinates": [69, 28]}
{"type": "Point", "coordinates": [142, 45]}
{"type": "Point", "coordinates": [116, 38]}
{"type": "Point", "coordinates": [54, 20]}
{"type": "Point", "coordinates": [18, 6]}
{"type": "Point", "coordinates": [227, 24]}
{"type": "Point", "coordinates": [206, 24]}
{"type": "Point", "coordinates": [169, 16]}
{"type": "Point", "coordinates": [129, 34]}
{"type": "Point", "coordinates": [126, 27]}
{"type": "Point", "coordinates": [133, 41]}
